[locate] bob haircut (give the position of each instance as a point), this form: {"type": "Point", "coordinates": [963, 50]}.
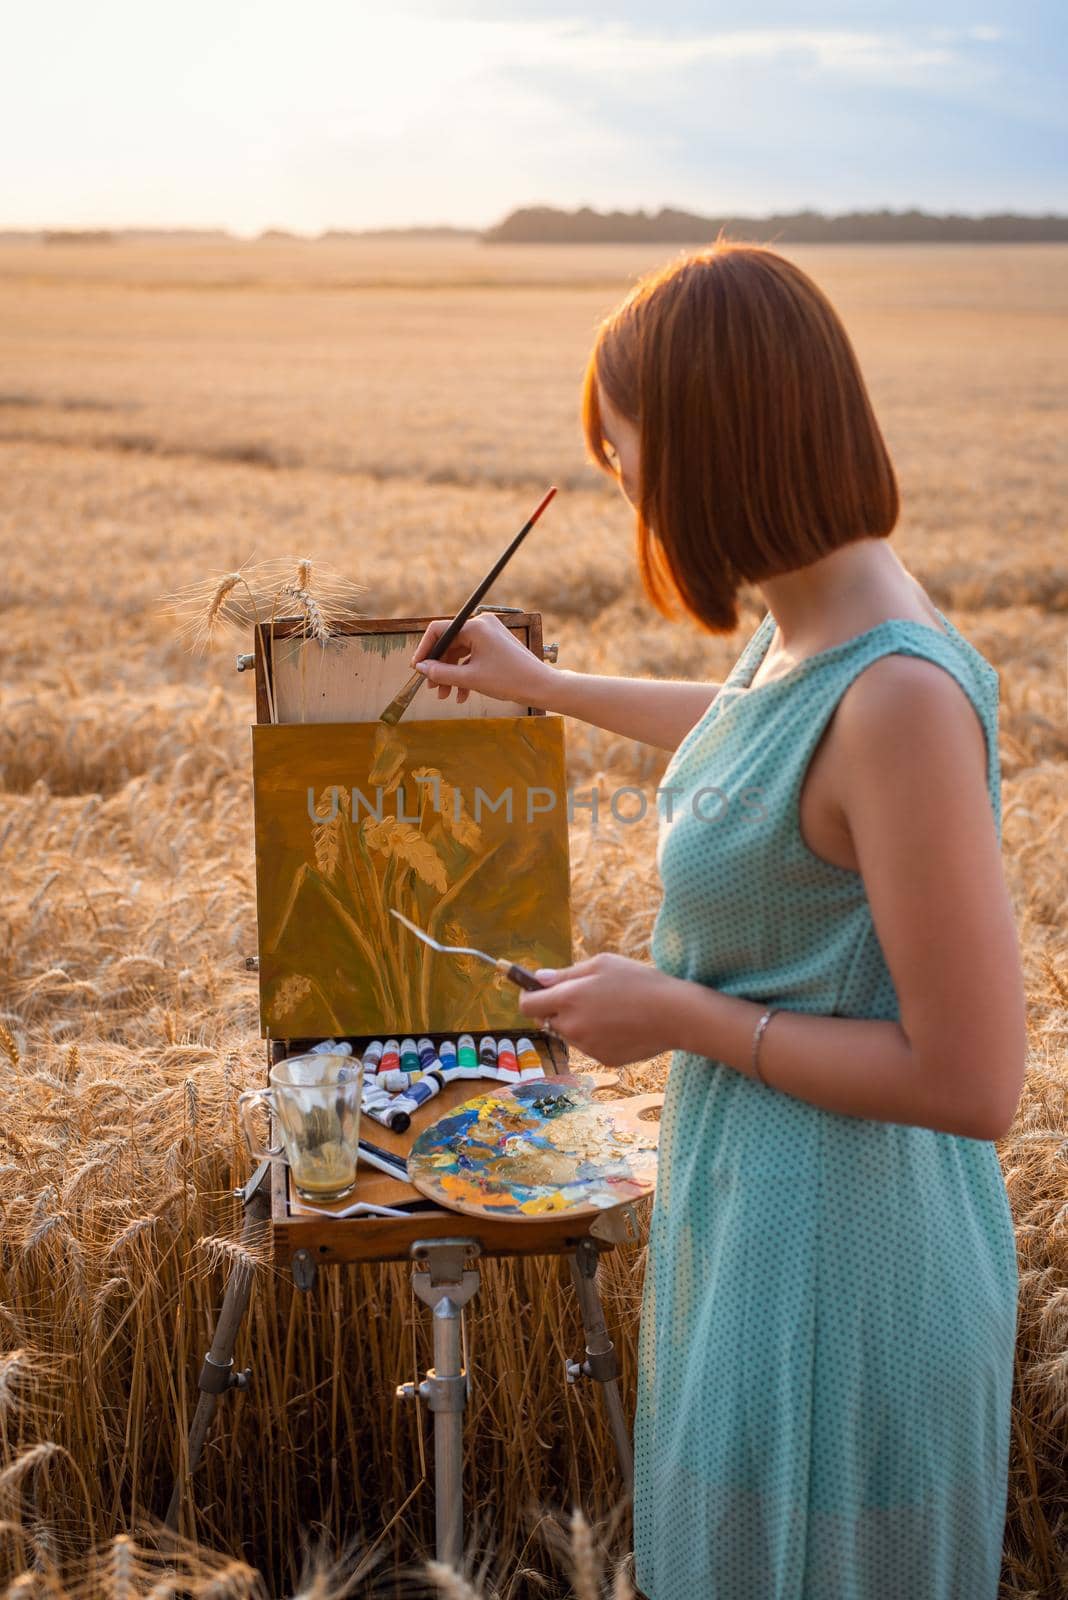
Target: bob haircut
{"type": "Point", "coordinates": [759, 449]}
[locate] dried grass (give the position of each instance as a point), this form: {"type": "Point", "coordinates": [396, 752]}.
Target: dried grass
{"type": "Point", "coordinates": [128, 1022]}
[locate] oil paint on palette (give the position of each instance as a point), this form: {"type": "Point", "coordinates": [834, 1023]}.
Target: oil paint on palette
{"type": "Point", "coordinates": [539, 1148]}
{"type": "Point", "coordinates": [461, 825]}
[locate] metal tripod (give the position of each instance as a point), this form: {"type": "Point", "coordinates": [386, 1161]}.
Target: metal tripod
{"type": "Point", "coordinates": [444, 1278]}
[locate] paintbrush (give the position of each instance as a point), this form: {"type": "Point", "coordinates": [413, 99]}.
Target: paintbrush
{"type": "Point", "coordinates": [384, 1160]}
{"type": "Point", "coordinates": [401, 701]}
{"type": "Point", "coordinates": [520, 976]}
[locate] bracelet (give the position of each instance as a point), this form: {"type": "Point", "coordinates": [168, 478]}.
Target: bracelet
{"type": "Point", "coordinates": [758, 1034]}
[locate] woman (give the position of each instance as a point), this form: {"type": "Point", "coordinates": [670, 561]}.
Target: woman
{"type": "Point", "coordinates": [826, 1346]}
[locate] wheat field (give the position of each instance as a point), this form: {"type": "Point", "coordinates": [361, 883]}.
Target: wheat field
{"type": "Point", "coordinates": [391, 412]}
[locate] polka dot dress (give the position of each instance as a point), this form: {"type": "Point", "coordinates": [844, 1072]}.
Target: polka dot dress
{"type": "Point", "coordinates": [829, 1315]}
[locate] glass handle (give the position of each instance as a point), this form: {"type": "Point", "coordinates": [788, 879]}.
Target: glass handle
{"type": "Point", "coordinates": [259, 1153]}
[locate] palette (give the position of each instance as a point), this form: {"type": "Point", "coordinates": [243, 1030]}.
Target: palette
{"type": "Point", "coordinates": [537, 1149]}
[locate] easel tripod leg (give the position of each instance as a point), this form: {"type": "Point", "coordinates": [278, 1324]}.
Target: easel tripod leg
{"type": "Point", "coordinates": [601, 1363]}
{"type": "Point", "coordinates": [217, 1376]}
{"type": "Point", "coordinates": [450, 1382]}
{"type": "Point", "coordinates": [444, 1281]}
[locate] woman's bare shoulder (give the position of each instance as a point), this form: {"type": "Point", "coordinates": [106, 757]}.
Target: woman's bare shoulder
{"type": "Point", "coordinates": [910, 693]}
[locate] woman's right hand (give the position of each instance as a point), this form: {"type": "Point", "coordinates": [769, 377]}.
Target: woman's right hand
{"type": "Point", "coordinates": [486, 657]}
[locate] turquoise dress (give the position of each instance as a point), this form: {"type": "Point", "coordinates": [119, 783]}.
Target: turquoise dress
{"type": "Point", "coordinates": [829, 1313]}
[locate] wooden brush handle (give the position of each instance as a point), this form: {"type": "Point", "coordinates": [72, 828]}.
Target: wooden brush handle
{"type": "Point", "coordinates": [519, 975]}
{"type": "Point", "coordinates": [440, 645]}
{"type": "Point", "coordinates": [400, 703]}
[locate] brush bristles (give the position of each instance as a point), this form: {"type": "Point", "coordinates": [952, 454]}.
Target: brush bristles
{"type": "Point", "coordinates": [400, 703]}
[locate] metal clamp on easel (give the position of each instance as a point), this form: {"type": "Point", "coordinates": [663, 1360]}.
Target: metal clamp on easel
{"type": "Point", "coordinates": [217, 1377]}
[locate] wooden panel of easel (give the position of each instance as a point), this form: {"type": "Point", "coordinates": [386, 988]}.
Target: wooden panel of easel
{"type": "Point", "coordinates": [357, 672]}
{"type": "Point", "coordinates": [334, 1241]}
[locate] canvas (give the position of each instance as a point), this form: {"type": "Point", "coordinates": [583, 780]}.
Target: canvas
{"type": "Point", "coordinates": [461, 825]}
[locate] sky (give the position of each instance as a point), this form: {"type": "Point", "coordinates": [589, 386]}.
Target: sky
{"type": "Point", "coordinates": [310, 114]}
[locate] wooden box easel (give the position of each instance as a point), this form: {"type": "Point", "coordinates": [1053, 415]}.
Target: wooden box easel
{"type": "Point", "coordinates": [347, 682]}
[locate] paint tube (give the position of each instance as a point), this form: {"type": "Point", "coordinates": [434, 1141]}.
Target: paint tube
{"type": "Point", "coordinates": [397, 1116]}
{"type": "Point", "coordinates": [382, 1160]}
{"type": "Point", "coordinates": [381, 1107]}
{"type": "Point", "coordinates": [487, 1058]}
{"type": "Point", "coordinates": [466, 1058]}
{"type": "Point", "coordinates": [409, 1056]}
{"type": "Point", "coordinates": [419, 1093]}
{"type": "Point", "coordinates": [507, 1065]}
{"type": "Point", "coordinates": [373, 1076]}
{"type": "Point", "coordinates": [390, 1058]}
{"type": "Point", "coordinates": [330, 1047]}
{"type": "Point", "coordinates": [530, 1063]}
{"type": "Point", "coordinates": [395, 1081]}
{"type": "Point", "coordinates": [429, 1060]}
{"type": "Point", "coordinates": [450, 1066]}
{"type": "Point", "coordinates": [447, 1056]}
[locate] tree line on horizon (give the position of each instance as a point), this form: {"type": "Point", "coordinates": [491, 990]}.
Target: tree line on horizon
{"type": "Point", "coordinates": [548, 225]}
{"type": "Point", "coordinates": [551, 225]}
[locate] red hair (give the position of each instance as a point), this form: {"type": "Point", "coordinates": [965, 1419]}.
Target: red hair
{"type": "Point", "coordinates": [759, 448]}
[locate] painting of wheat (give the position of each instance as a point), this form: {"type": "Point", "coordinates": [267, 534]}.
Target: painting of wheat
{"type": "Point", "coordinates": [433, 822]}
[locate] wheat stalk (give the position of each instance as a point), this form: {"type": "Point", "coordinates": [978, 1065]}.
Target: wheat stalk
{"type": "Point", "coordinates": [8, 1044]}
{"type": "Point", "coordinates": [318, 627]}
{"type": "Point", "coordinates": [450, 1583]}
{"type": "Point", "coordinates": [584, 1564]}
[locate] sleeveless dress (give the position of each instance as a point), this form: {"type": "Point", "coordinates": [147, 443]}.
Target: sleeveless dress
{"type": "Point", "coordinates": [829, 1310]}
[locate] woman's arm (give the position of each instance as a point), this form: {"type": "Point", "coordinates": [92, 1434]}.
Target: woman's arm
{"type": "Point", "coordinates": [915, 800]}
{"type": "Point", "coordinates": [658, 711]}
{"type": "Point", "coordinates": [489, 659]}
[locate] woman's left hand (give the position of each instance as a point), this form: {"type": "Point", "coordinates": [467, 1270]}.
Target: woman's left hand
{"type": "Point", "coordinates": [609, 1007]}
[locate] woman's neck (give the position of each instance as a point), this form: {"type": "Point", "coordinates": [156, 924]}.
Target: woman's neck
{"type": "Point", "coordinates": [841, 594]}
